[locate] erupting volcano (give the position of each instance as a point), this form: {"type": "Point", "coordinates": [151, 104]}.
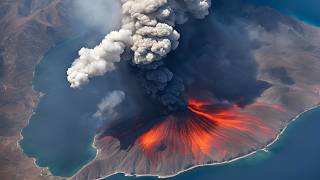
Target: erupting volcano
{"type": "Point", "coordinates": [207, 129]}
{"type": "Point", "coordinates": [212, 99]}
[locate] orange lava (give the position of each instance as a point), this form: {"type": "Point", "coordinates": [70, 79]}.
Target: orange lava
{"type": "Point", "coordinates": [206, 130]}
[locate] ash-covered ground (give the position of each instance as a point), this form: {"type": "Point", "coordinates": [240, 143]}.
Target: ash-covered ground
{"type": "Point", "coordinates": [203, 87]}
{"type": "Point", "coordinates": [233, 83]}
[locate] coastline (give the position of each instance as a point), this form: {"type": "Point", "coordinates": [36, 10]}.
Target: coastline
{"type": "Point", "coordinates": [265, 149]}
{"type": "Point", "coordinates": [282, 130]}
{"type": "Point", "coordinates": [45, 171]}
{"type": "Point", "coordinates": [37, 100]}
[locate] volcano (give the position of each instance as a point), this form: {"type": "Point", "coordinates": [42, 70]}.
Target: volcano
{"type": "Point", "coordinates": [180, 85]}
{"type": "Point", "coordinates": [205, 130]}
{"type": "Point", "coordinates": [226, 92]}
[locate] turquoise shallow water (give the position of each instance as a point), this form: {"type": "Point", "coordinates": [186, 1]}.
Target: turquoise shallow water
{"type": "Point", "coordinates": [60, 133]}
{"type": "Point", "coordinates": [307, 10]}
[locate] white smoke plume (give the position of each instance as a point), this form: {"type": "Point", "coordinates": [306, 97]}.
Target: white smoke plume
{"type": "Point", "coordinates": [106, 108]}
{"type": "Point", "coordinates": [150, 25]}
{"type": "Point", "coordinates": [100, 59]}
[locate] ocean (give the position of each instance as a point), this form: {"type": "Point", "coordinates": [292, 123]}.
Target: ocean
{"type": "Point", "coordinates": [307, 10]}
{"type": "Point", "coordinates": [60, 132]}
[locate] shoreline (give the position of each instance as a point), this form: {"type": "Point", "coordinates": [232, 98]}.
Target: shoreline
{"type": "Point", "coordinates": [42, 169]}
{"type": "Point", "coordinates": [37, 99]}
{"type": "Point", "coordinates": [265, 149]}
{"type": "Point", "coordinates": [47, 169]}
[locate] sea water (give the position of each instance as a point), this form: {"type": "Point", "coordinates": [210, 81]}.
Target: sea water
{"type": "Point", "coordinates": [296, 155]}
{"type": "Point", "coordinates": [306, 10]}
{"type": "Point", "coordinates": [60, 132]}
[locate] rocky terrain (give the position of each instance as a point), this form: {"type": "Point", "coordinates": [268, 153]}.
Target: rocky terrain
{"type": "Point", "coordinates": [287, 56]}
{"type": "Point", "coordinates": [28, 29]}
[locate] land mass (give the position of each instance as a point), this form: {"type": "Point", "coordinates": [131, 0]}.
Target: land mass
{"type": "Point", "coordinates": [28, 29]}
{"type": "Point", "coordinates": [288, 58]}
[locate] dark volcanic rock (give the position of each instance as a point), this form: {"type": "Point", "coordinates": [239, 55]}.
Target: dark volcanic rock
{"type": "Point", "coordinates": [281, 43]}
{"type": "Point", "coordinates": [278, 43]}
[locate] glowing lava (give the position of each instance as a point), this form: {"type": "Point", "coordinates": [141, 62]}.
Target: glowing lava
{"type": "Point", "coordinates": [207, 130]}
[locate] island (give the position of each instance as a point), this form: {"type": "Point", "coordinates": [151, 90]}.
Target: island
{"type": "Point", "coordinates": [285, 54]}
{"type": "Point", "coordinates": [286, 83]}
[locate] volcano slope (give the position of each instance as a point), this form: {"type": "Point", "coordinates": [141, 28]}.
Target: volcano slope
{"type": "Point", "coordinates": [247, 75]}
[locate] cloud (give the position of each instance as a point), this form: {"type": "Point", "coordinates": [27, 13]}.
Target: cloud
{"type": "Point", "coordinates": [99, 60]}
{"type": "Point", "coordinates": [150, 24]}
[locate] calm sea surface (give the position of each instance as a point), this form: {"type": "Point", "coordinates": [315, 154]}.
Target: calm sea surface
{"type": "Point", "coordinates": [61, 131]}
{"type": "Point", "coordinates": [60, 134]}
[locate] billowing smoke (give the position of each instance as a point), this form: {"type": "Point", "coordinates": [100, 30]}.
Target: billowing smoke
{"type": "Point", "coordinates": [106, 108]}
{"type": "Point", "coordinates": [152, 23]}
{"type": "Point", "coordinates": [146, 36]}
{"type": "Point", "coordinates": [163, 86]}
{"type": "Point", "coordinates": [99, 60]}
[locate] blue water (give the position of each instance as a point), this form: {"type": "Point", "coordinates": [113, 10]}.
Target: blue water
{"type": "Point", "coordinates": [61, 131]}
{"type": "Point", "coordinates": [296, 155]}
{"type": "Point", "coordinates": [306, 10]}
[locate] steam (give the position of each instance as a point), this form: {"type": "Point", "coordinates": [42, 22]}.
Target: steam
{"type": "Point", "coordinates": [99, 60]}
{"type": "Point", "coordinates": [94, 14]}
{"type": "Point", "coordinates": [106, 108]}
{"type": "Point", "coordinates": [147, 35]}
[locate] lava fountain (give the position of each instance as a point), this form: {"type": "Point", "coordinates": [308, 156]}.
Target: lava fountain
{"type": "Point", "coordinates": [207, 130]}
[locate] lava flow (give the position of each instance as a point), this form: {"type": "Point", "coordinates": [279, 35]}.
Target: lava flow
{"type": "Point", "coordinates": [206, 130]}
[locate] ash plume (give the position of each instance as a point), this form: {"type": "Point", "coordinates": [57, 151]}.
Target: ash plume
{"type": "Point", "coordinates": [99, 60]}
{"type": "Point", "coordinates": [164, 87]}
{"type": "Point", "coordinates": [147, 35]}
{"type": "Point", "coordinates": [106, 108]}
